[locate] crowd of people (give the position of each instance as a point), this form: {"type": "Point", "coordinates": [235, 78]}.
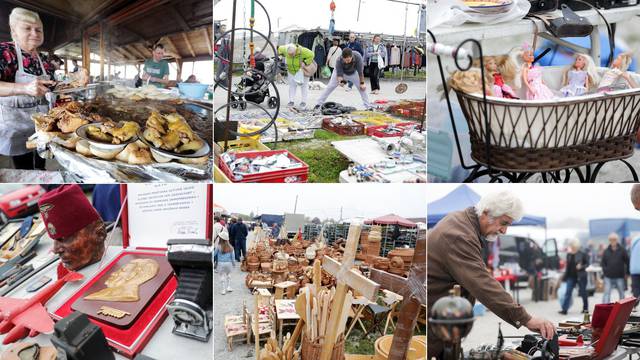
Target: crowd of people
{"type": "Point", "coordinates": [346, 62]}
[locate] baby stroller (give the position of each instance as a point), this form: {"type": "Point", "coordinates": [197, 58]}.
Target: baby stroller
{"type": "Point", "coordinates": [255, 85]}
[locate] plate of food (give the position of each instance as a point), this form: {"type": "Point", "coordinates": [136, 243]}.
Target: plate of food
{"type": "Point", "coordinates": [169, 137]}
{"type": "Point", "coordinates": [489, 6]}
{"type": "Point", "coordinates": [108, 139]}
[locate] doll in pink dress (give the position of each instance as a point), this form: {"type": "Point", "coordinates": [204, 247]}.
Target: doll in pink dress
{"type": "Point", "coordinates": [532, 77]}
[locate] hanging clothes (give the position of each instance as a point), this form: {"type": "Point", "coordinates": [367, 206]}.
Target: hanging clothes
{"type": "Point", "coordinates": [307, 39]}
{"type": "Point", "coordinates": [394, 58]}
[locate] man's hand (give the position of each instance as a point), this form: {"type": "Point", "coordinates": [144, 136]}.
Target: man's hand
{"type": "Point", "coordinates": [340, 80]}
{"type": "Point", "coordinates": [363, 87]}
{"type": "Point", "coordinates": [543, 326]}
{"type": "Point", "coordinates": [37, 87]}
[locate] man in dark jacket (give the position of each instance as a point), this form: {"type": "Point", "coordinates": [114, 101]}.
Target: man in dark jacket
{"type": "Point", "coordinates": [615, 266]}
{"type": "Point", "coordinates": [455, 257]}
{"type": "Point", "coordinates": [231, 228]}
{"type": "Point", "coordinates": [241, 233]}
{"type": "Point", "coordinates": [575, 274]}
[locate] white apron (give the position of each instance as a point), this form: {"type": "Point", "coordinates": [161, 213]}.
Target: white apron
{"type": "Point", "coordinates": [15, 112]}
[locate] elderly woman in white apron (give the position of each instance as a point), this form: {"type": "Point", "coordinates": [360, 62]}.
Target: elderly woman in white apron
{"type": "Point", "coordinates": [24, 78]}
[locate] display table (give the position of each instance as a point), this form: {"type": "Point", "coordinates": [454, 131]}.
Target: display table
{"type": "Point", "coordinates": [163, 344]}
{"type": "Point", "coordinates": [285, 311]}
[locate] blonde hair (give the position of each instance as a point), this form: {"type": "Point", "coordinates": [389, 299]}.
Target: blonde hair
{"type": "Point", "coordinates": [626, 61]}
{"type": "Point", "coordinates": [589, 67]}
{"type": "Point", "coordinates": [575, 244]}
{"type": "Point", "coordinates": [23, 15]}
{"type": "Point", "coordinates": [506, 67]}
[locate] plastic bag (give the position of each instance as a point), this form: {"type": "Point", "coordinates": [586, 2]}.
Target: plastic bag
{"type": "Point", "coordinates": [454, 13]}
{"type": "Point", "coordinates": [325, 73]}
{"type": "Point", "coordinates": [299, 77]}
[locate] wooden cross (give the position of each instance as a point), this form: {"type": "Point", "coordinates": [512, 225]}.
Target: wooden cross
{"type": "Point", "coordinates": [346, 278]}
{"type": "Point", "coordinates": [414, 293]}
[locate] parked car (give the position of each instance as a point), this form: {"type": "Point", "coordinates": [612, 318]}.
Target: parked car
{"type": "Point", "coordinates": [18, 201]}
{"type": "Point", "coordinates": [527, 254]}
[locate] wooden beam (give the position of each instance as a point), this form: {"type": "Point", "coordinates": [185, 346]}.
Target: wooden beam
{"type": "Point", "coordinates": [208, 39]}
{"type": "Point", "coordinates": [86, 52]}
{"type": "Point", "coordinates": [179, 69]}
{"type": "Point", "coordinates": [186, 39]}
{"type": "Point", "coordinates": [143, 50]}
{"type": "Point", "coordinates": [38, 6]}
{"type": "Point", "coordinates": [135, 51]}
{"type": "Point", "coordinates": [181, 21]}
{"type": "Point", "coordinates": [139, 8]}
{"type": "Point", "coordinates": [102, 52]}
{"type": "Point", "coordinates": [171, 45]}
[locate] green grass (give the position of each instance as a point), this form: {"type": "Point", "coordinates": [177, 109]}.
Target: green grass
{"type": "Point", "coordinates": [408, 75]}
{"type": "Point", "coordinates": [325, 162]}
{"type": "Point", "coordinates": [360, 344]}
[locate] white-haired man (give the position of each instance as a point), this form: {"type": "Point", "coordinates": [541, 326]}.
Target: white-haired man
{"type": "Point", "coordinates": [455, 256]}
{"type": "Point", "coordinates": [296, 56]}
{"type": "Point", "coordinates": [615, 266]}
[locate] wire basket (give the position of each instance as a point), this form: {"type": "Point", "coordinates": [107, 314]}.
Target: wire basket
{"type": "Point", "coordinates": [542, 136]}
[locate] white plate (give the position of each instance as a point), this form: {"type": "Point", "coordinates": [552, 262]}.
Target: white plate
{"type": "Point", "coordinates": [161, 153]}
{"type": "Point", "coordinates": [82, 133]}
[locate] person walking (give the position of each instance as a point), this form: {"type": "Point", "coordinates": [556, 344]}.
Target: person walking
{"type": "Point", "coordinates": [334, 54]}
{"type": "Point", "coordinates": [240, 239]}
{"type": "Point", "coordinates": [575, 274]}
{"type": "Point", "coordinates": [615, 266]}
{"type": "Point", "coordinates": [226, 261]}
{"type": "Point", "coordinates": [376, 58]}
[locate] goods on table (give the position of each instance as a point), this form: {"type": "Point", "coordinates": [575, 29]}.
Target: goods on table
{"type": "Point", "coordinates": [172, 133]}
{"type": "Point", "coordinates": [260, 164]}
{"type": "Point", "coordinates": [137, 94]}
{"type": "Point", "coordinates": [123, 284]}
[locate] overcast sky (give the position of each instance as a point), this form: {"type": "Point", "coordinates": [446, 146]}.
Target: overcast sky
{"type": "Point", "coordinates": [323, 200]}
{"type": "Point", "coordinates": [381, 16]}
{"type": "Point", "coordinates": [564, 205]}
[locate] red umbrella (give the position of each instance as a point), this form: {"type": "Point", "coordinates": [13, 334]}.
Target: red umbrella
{"type": "Point", "coordinates": [391, 219]}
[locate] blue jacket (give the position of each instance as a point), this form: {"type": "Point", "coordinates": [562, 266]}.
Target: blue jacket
{"type": "Point", "coordinates": [240, 232]}
{"type": "Point", "coordinates": [634, 261]}
{"type": "Point", "coordinates": [226, 257]}
{"type": "Point", "coordinates": [355, 46]}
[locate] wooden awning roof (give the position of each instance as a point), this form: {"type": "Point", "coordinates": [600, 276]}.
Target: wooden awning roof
{"type": "Point", "coordinates": [130, 27]}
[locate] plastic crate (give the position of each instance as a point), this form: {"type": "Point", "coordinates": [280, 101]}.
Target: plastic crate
{"type": "Point", "coordinates": [219, 176]}
{"type": "Point", "coordinates": [242, 145]}
{"type": "Point", "coordinates": [376, 130]}
{"type": "Point", "coordinates": [297, 175]}
{"type": "Point", "coordinates": [344, 130]}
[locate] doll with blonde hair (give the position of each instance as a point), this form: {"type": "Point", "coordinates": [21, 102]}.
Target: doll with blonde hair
{"type": "Point", "coordinates": [532, 77]}
{"type": "Point", "coordinates": [500, 70]}
{"type": "Point", "coordinates": [579, 76]}
{"type": "Point", "coordinates": [618, 71]}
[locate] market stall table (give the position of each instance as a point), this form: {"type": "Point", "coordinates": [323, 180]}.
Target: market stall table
{"type": "Point", "coordinates": [163, 344]}
{"type": "Point", "coordinates": [285, 311]}
{"type": "Point", "coordinates": [366, 151]}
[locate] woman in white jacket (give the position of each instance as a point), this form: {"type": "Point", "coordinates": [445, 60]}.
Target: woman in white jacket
{"type": "Point", "coordinates": [334, 54]}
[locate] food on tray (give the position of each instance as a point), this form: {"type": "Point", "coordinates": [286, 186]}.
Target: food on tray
{"type": "Point", "coordinates": [79, 79]}
{"type": "Point", "coordinates": [137, 94]}
{"type": "Point", "coordinates": [135, 154]}
{"type": "Point", "coordinates": [65, 119]}
{"type": "Point", "coordinates": [172, 133]}
{"type": "Point", "coordinates": [123, 284]}
{"type": "Point", "coordinates": [82, 147]}
{"type": "Point", "coordinates": [111, 132]}
{"type": "Point", "coordinates": [106, 154]}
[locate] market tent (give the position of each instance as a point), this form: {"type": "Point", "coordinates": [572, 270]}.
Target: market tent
{"type": "Point", "coordinates": [391, 219]}
{"type": "Point", "coordinates": [463, 197]}
{"type": "Point", "coordinates": [599, 229]}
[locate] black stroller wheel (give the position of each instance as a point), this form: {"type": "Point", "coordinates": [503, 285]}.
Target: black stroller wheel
{"type": "Point", "coordinates": [273, 102]}
{"type": "Point", "coordinates": [243, 105]}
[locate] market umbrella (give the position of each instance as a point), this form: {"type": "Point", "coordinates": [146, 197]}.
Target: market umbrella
{"type": "Point", "coordinates": [391, 219]}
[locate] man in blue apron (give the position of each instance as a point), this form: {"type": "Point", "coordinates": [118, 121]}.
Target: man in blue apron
{"type": "Point", "coordinates": [24, 78]}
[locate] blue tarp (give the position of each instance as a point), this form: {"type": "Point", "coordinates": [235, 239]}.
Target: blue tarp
{"type": "Point", "coordinates": [463, 197]}
{"type": "Point", "coordinates": [269, 219]}
{"type": "Point", "coordinates": [601, 228]}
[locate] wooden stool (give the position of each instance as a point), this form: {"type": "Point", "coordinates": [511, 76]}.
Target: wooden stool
{"type": "Point", "coordinates": [290, 288]}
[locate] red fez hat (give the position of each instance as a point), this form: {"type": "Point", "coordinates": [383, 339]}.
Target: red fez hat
{"type": "Point", "coordinates": [65, 211]}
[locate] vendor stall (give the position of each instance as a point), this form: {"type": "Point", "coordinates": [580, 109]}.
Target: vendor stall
{"type": "Point", "coordinates": [98, 299]}
{"type": "Point", "coordinates": [125, 114]}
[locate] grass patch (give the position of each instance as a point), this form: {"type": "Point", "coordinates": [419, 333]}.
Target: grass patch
{"type": "Point", "coordinates": [325, 162]}
{"type": "Point", "coordinates": [360, 344]}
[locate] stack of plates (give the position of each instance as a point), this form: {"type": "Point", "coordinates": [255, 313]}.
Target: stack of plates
{"type": "Point", "coordinates": [489, 6]}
